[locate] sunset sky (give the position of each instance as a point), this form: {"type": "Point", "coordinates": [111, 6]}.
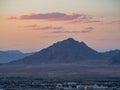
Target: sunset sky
{"type": "Point", "coordinates": [31, 25]}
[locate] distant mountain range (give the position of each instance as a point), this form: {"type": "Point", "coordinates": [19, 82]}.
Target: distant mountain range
{"type": "Point", "coordinates": [115, 59]}
{"type": "Point", "coordinates": [67, 59]}
{"type": "Point", "coordinates": [8, 56]}
{"type": "Point", "coordinates": [70, 51]}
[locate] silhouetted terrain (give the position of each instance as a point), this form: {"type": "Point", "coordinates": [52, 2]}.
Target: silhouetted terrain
{"type": "Point", "coordinates": [115, 59]}
{"type": "Point", "coordinates": [7, 56]}
{"type": "Point", "coordinates": [66, 59]}
{"type": "Point", "coordinates": [63, 71]}
{"type": "Point", "coordinates": [68, 51]}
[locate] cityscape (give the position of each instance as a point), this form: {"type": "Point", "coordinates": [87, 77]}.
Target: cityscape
{"type": "Point", "coordinates": [23, 83]}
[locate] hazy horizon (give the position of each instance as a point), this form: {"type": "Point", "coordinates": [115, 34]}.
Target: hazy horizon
{"type": "Point", "coordinates": [56, 42]}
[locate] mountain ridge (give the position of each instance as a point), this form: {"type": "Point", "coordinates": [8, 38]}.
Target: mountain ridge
{"type": "Point", "coordinates": [66, 51]}
{"type": "Point", "coordinates": [10, 55]}
{"type": "Point", "coordinates": [66, 59]}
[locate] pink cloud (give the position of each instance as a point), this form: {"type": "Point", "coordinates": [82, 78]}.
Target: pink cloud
{"type": "Point", "coordinates": [85, 20]}
{"type": "Point", "coordinates": [86, 30]}
{"type": "Point", "coordinates": [76, 32]}
{"type": "Point", "coordinates": [37, 27]}
{"type": "Point", "coordinates": [92, 21]}
{"type": "Point", "coordinates": [55, 16]}
{"type": "Point", "coordinates": [50, 27]}
{"type": "Point", "coordinates": [29, 26]}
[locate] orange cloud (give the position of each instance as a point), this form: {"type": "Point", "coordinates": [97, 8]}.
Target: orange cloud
{"type": "Point", "coordinates": [11, 17]}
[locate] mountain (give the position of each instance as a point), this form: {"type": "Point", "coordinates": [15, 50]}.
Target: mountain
{"type": "Point", "coordinates": [7, 56]}
{"type": "Point", "coordinates": [113, 56]}
{"type": "Point", "coordinates": [66, 59]}
{"type": "Point", "coordinates": [112, 52]}
{"type": "Point", "coordinates": [65, 51]}
{"type": "Point", "coordinates": [115, 59]}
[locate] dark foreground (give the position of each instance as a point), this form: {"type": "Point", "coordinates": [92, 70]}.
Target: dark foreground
{"type": "Point", "coordinates": [72, 76]}
{"type": "Point", "coordinates": [30, 83]}
{"type": "Point", "coordinates": [65, 71]}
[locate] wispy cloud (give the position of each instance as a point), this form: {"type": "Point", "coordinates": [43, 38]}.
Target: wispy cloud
{"type": "Point", "coordinates": [38, 27]}
{"type": "Point", "coordinates": [55, 16]}
{"type": "Point", "coordinates": [84, 20]}
{"type": "Point", "coordinates": [115, 22]}
{"type": "Point", "coordinates": [92, 21]}
{"type": "Point", "coordinates": [87, 30]}
{"type": "Point", "coordinates": [108, 39]}
{"type": "Point", "coordinates": [72, 18]}
{"type": "Point", "coordinates": [51, 36]}
{"type": "Point", "coordinates": [66, 32]}
{"type": "Point", "coordinates": [51, 27]}
{"type": "Point", "coordinates": [31, 26]}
